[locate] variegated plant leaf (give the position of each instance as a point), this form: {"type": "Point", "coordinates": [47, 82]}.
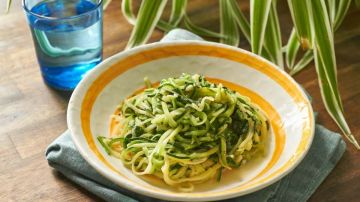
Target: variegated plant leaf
{"type": "Point", "coordinates": [126, 8]}
{"type": "Point", "coordinates": [8, 4]}
{"type": "Point", "coordinates": [106, 3]}
{"type": "Point", "coordinates": [292, 49]}
{"type": "Point", "coordinates": [341, 11]}
{"type": "Point", "coordinates": [325, 43]}
{"type": "Point", "coordinates": [240, 19]}
{"type": "Point", "coordinates": [331, 7]}
{"type": "Point", "coordinates": [272, 41]}
{"type": "Point", "coordinates": [325, 63]}
{"type": "Point", "coordinates": [244, 25]}
{"type": "Point", "coordinates": [303, 62]}
{"type": "Point", "coordinates": [147, 19]}
{"type": "Point", "coordinates": [228, 27]}
{"type": "Point", "coordinates": [200, 30]}
{"type": "Point", "coordinates": [177, 11]}
{"type": "Point", "coordinates": [331, 104]}
{"type": "Point", "coordinates": [259, 13]}
{"type": "Point", "coordinates": [301, 14]}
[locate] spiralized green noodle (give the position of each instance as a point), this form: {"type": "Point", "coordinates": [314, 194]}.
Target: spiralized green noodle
{"type": "Point", "coordinates": [186, 131]}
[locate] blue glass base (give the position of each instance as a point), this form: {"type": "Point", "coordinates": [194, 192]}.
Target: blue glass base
{"type": "Point", "coordinates": [65, 78]}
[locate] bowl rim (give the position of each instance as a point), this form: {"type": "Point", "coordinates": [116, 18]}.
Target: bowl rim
{"type": "Point", "coordinates": [85, 83]}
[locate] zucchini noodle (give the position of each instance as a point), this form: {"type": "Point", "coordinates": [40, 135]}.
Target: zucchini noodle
{"type": "Point", "coordinates": [186, 131]}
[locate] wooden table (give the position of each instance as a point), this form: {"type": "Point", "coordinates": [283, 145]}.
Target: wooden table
{"type": "Point", "coordinates": [33, 115]}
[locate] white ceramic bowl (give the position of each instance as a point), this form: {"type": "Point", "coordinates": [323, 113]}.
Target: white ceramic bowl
{"type": "Point", "coordinates": [290, 113]}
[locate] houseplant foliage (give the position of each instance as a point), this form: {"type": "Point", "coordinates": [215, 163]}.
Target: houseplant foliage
{"type": "Point", "coordinates": [315, 22]}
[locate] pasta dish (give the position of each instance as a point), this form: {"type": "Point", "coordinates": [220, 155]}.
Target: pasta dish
{"type": "Point", "coordinates": [186, 131]}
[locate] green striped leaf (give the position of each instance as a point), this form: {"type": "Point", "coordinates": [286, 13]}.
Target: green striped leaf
{"type": "Point", "coordinates": [325, 43]}
{"type": "Point", "coordinates": [259, 13]}
{"type": "Point", "coordinates": [200, 30]}
{"type": "Point", "coordinates": [325, 64]}
{"type": "Point", "coordinates": [126, 9]}
{"type": "Point", "coordinates": [8, 4]}
{"type": "Point", "coordinates": [301, 14]}
{"type": "Point", "coordinates": [273, 36]}
{"type": "Point", "coordinates": [128, 13]}
{"type": "Point", "coordinates": [177, 11]}
{"type": "Point", "coordinates": [148, 16]}
{"type": "Point", "coordinates": [244, 25]}
{"type": "Point", "coordinates": [265, 54]}
{"type": "Point", "coordinates": [228, 27]}
{"type": "Point", "coordinates": [331, 104]}
{"type": "Point", "coordinates": [331, 7]}
{"type": "Point", "coordinates": [106, 3]}
{"type": "Point", "coordinates": [341, 11]}
{"type": "Point", "coordinates": [240, 19]}
{"type": "Point", "coordinates": [292, 49]}
{"type": "Point", "coordinates": [303, 62]}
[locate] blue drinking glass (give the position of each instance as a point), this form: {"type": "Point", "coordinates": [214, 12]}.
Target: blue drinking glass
{"type": "Point", "coordinates": [67, 36]}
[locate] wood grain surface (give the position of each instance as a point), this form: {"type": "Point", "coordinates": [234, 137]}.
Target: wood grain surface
{"type": "Point", "coordinates": [32, 114]}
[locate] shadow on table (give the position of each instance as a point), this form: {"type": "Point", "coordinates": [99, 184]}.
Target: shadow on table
{"type": "Point", "coordinates": [61, 94]}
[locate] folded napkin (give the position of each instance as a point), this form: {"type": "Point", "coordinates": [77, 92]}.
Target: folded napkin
{"type": "Point", "coordinates": [326, 150]}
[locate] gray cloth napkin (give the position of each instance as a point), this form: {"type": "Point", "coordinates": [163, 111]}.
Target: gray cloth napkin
{"type": "Point", "coordinates": [326, 150]}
